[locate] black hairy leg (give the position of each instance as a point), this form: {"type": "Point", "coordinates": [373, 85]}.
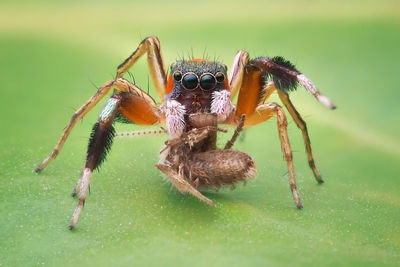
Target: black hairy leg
{"type": "Point", "coordinates": [285, 76]}
{"type": "Point", "coordinates": [100, 143]}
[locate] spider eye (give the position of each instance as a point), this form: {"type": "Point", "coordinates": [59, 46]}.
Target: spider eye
{"type": "Point", "coordinates": [207, 82]}
{"type": "Point", "coordinates": [177, 76]}
{"type": "Point", "coordinates": [190, 81]}
{"type": "Point", "coordinates": [220, 77]}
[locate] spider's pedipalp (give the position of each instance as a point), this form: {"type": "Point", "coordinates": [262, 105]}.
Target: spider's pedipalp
{"type": "Point", "coordinates": [221, 105]}
{"type": "Point", "coordinates": [174, 112]}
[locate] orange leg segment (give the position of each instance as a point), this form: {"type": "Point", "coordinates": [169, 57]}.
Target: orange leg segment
{"type": "Point", "coordinates": [136, 109]}
{"type": "Point", "coordinates": [253, 91]}
{"type": "Point", "coordinates": [250, 93]}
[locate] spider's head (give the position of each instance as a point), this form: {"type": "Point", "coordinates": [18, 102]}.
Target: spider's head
{"type": "Point", "coordinates": [192, 83]}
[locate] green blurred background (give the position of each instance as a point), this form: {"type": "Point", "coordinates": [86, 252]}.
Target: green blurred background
{"type": "Point", "coordinates": [52, 53]}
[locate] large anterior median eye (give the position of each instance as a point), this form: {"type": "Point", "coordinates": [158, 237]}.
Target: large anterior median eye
{"type": "Point", "coordinates": [207, 81]}
{"type": "Point", "coordinates": [190, 81]}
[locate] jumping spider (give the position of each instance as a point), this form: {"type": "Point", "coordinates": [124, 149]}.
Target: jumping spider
{"type": "Point", "coordinates": [195, 97]}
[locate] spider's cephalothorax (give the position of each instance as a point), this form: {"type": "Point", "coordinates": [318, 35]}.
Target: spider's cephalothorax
{"type": "Point", "coordinates": [196, 97]}
{"type": "Point", "coordinates": [195, 86]}
{"type": "Point", "coordinates": [194, 83]}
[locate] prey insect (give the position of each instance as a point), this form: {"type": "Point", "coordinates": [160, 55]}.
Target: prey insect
{"type": "Point", "coordinates": [196, 96]}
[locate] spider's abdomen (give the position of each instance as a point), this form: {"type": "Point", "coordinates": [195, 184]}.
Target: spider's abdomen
{"type": "Point", "coordinates": [218, 168]}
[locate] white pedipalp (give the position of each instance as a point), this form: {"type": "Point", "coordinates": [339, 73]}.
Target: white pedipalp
{"type": "Point", "coordinates": [221, 104]}
{"type": "Point", "coordinates": [175, 121]}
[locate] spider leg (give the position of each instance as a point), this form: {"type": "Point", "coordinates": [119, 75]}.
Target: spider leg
{"type": "Point", "coordinates": [78, 115]}
{"type": "Point", "coordinates": [75, 191]}
{"type": "Point", "coordinates": [237, 71]}
{"type": "Point", "coordinates": [264, 112]}
{"type": "Point", "coordinates": [84, 186]}
{"type": "Point", "coordinates": [251, 92]}
{"type": "Point", "coordinates": [303, 127]}
{"type": "Point", "coordinates": [250, 78]}
{"type": "Point", "coordinates": [121, 85]}
{"type": "Point", "coordinates": [151, 46]}
{"type": "Point", "coordinates": [131, 105]}
{"type": "Point", "coordinates": [256, 88]}
{"type": "Point", "coordinates": [99, 144]}
{"type": "Point", "coordinates": [286, 77]}
{"type": "Point", "coordinates": [238, 129]}
{"type": "Point", "coordinates": [267, 90]}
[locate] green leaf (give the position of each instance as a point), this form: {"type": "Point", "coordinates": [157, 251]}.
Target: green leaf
{"type": "Point", "coordinates": [52, 53]}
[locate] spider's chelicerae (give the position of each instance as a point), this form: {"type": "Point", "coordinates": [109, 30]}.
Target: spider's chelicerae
{"type": "Point", "coordinates": [195, 98]}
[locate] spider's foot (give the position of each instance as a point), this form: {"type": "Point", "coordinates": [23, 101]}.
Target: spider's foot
{"type": "Point", "coordinates": [316, 174]}
{"type": "Point", "coordinates": [46, 161]}
{"type": "Point", "coordinates": [75, 216]}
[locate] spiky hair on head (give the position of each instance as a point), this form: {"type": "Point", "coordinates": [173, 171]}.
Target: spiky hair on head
{"type": "Point", "coordinates": [199, 66]}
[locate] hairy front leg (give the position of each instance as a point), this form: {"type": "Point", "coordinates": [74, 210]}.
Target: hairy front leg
{"type": "Point", "coordinates": [78, 115]}
{"type": "Point", "coordinates": [99, 144]}
{"type": "Point", "coordinates": [120, 85]}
